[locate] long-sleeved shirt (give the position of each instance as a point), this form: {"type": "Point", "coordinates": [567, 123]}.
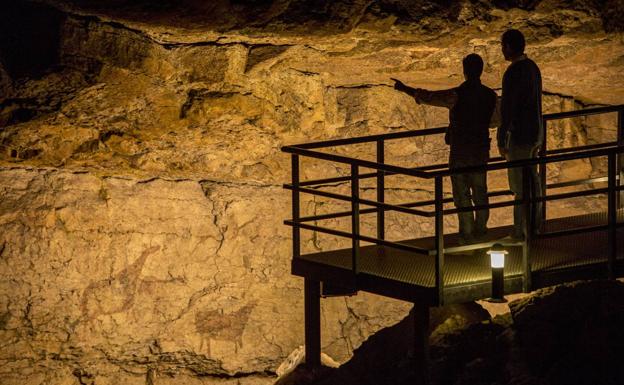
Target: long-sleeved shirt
{"type": "Point", "coordinates": [471, 106]}
{"type": "Point", "coordinates": [521, 105]}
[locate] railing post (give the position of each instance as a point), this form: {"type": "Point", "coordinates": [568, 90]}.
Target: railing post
{"type": "Point", "coordinates": [529, 220]}
{"type": "Point", "coordinates": [620, 157]}
{"type": "Point", "coordinates": [439, 239]}
{"type": "Point", "coordinates": [295, 206]}
{"type": "Point", "coordinates": [381, 219]}
{"type": "Point", "coordinates": [612, 216]}
{"type": "Point", "coordinates": [355, 217]}
{"type": "Point", "coordinates": [542, 174]}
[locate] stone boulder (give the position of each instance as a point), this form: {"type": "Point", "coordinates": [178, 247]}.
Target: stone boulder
{"type": "Point", "coordinates": [572, 333]}
{"type": "Point", "coordinates": [385, 357]}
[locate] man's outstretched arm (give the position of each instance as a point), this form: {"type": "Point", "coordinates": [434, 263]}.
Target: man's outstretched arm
{"type": "Point", "coordinates": [442, 98]}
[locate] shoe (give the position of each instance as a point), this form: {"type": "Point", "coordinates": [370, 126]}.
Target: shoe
{"type": "Point", "coordinates": [515, 237]}
{"type": "Point", "coordinates": [465, 240]}
{"type": "Point", "coordinates": [479, 235]}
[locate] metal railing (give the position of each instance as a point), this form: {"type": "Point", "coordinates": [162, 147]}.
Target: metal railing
{"type": "Point", "coordinates": [614, 178]}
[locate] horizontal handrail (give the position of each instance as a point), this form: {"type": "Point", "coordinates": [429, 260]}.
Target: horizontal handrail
{"type": "Point", "coordinates": [441, 130]}
{"type": "Point", "coordinates": [592, 153]}
{"type": "Point", "coordinates": [361, 237]}
{"type": "Point", "coordinates": [602, 151]}
{"type": "Point", "coordinates": [372, 138]}
{"type": "Point", "coordinates": [353, 161]}
{"type": "Point", "coordinates": [581, 148]}
{"type": "Point", "coordinates": [575, 230]}
{"type": "Point", "coordinates": [313, 182]}
{"type": "Point", "coordinates": [553, 197]}
{"type": "Point", "coordinates": [583, 112]}
{"type": "Point", "coordinates": [348, 198]}
{"type": "Point", "coordinates": [342, 214]}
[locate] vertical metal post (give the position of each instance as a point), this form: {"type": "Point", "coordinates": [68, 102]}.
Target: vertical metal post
{"type": "Point", "coordinates": [612, 217]}
{"type": "Point", "coordinates": [381, 219]}
{"type": "Point", "coordinates": [439, 239]}
{"type": "Point", "coordinates": [312, 304]}
{"type": "Point", "coordinates": [542, 174]}
{"type": "Point", "coordinates": [620, 158]}
{"type": "Point", "coordinates": [355, 217]}
{"type": "Point", "coordinates": [528, 215]}
{"type": "Point", "coordinates": [420, 314]}
{"type": "Point", "coordinates": [295, 206]}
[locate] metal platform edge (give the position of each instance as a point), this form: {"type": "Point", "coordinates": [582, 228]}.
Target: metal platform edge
{"type": "Point", "coordinates": [452, 294]}
{"type": "Point", "coordinates": [364, 282]}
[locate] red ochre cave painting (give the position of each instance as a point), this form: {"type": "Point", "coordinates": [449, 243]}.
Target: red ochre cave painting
{"type": "Point", "coordinates": [116, 294]}
{"type": "Point", "coordinates": [217, 325]}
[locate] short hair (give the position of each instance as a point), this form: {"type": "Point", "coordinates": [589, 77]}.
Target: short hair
{"type": "Point", "coordinates": [515, 40]}
{"type": "Point", "coordinates": [473, 66]}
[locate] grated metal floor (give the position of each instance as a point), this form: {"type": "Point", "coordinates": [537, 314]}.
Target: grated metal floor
{"type": "Point", "coordinates": [467, 267]}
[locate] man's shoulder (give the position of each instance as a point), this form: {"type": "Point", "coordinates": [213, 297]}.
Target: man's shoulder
{"type": "Point", "coordinates": [520, 69]}
{"type": "Point", "coordinates": [526, 64]}
{"type": "Point", "coordinates": [488, 91]}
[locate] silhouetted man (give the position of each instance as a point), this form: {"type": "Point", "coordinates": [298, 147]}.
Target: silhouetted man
{"type": "Point", "coordinates": [470, 110]}
{"type": "Point", "coordinates": [521, 132]}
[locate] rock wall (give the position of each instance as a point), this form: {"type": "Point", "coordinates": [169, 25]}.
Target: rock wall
{"type": "Point", "coordinates": [140, 174]}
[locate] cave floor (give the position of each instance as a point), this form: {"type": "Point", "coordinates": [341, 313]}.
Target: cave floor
{"type": "Point", "coordinates": [467, 273]}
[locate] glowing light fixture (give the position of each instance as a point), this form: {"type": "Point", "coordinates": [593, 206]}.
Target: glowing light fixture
{"type": "Point", "coordinates": [497, 261]}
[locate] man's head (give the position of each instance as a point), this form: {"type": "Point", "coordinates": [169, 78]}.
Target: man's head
{"type": "Point", "coordinates": [512, 44]}
{"type": "Point", "coordinates": [473, 66]}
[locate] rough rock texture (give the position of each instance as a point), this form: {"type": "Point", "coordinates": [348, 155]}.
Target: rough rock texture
{"type": "Point", "coordinates": [141, 208]}
{"type": "Point", "coordinates": [383, 358]}
{"type": "Point", "coordinates": [163, 275]}
{"type": "Point", "coordinates": [569, 334]}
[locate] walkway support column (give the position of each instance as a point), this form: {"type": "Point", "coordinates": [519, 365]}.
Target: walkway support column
{"type": "Point", "coordinates": [420, 314]}
{"type": "Point", "coordinates": [312, 303]}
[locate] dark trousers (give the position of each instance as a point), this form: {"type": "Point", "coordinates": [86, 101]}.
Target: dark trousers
{"type": "Point", "coordinates": [517, 152]}
{"type": "Point", "coordinates": [470, 189]}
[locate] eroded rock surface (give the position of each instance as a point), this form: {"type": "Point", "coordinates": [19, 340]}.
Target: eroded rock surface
{"type": "Point", "coordinates": [141, 205]}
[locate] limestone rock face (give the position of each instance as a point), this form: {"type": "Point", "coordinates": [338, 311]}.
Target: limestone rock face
{"type": "Point", "coordinates": [141, 208]}
{"type": "Point", "coordinates": [166, 275]}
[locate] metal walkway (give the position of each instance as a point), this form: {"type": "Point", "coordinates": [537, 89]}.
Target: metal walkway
{"type": "Point", "coordinates": [401, 274]}
{"type": "Point", "coordinates": [435, 270]}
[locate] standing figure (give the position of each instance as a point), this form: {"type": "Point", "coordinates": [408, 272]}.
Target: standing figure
{"type": "Point", "coordinates": [521, 132]}
{"type": "Point", "coordinates": [470, 110]}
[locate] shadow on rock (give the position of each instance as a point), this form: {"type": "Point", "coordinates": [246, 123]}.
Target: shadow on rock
{"type": "Point", "coordinates": [572, 334]}
{"type": "Point", "coordinates": [569, 334]}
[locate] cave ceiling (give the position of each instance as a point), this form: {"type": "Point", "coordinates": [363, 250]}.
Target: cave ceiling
{"type": "Point", "coordinates": [328, 16]}
{"type": "Point", "coordinates": [149, 86]}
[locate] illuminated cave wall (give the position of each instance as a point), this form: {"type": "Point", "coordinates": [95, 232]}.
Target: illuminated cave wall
{"type": "Point", "coordinates": [141, 209]}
